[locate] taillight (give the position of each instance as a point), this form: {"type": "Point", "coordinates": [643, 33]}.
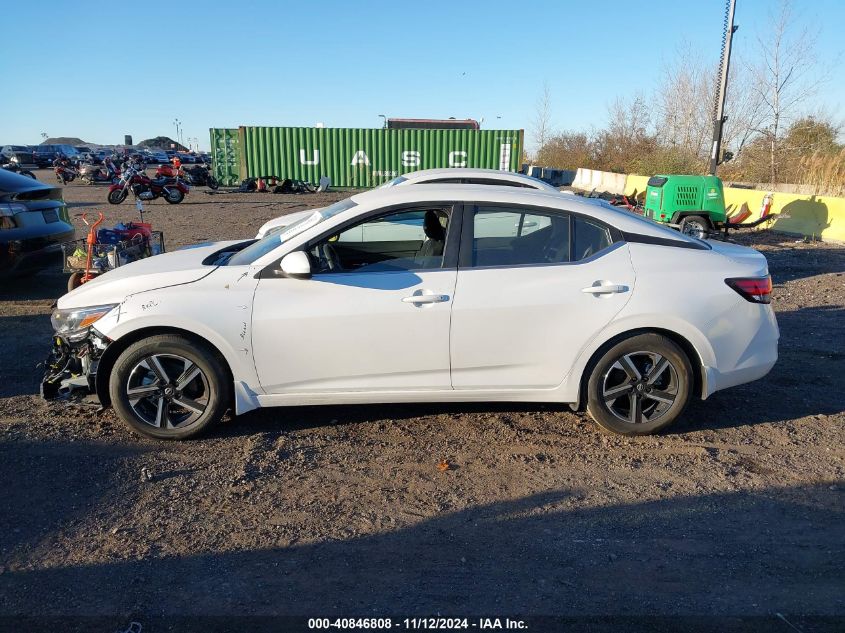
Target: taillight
{"type": "Point", "coordinates": [753, 289]}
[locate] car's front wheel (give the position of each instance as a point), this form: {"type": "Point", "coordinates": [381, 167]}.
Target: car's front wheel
{"type": "Point", "coordinates": [640, 385]}
{"type": "Point", "coordinates": [169, 387]}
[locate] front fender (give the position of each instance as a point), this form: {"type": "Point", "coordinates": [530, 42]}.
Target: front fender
{"type": "Point", "coordinates": [216, 308]}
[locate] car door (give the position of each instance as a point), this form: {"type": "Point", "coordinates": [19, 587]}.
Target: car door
{"type": "Point", "coordinates": [373, 317]}
{"type": "Point", "coordinates": [534, 286]}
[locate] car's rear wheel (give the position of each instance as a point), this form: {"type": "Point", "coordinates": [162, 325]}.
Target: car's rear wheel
{"type": "Point", "coordinates": [640, 385]}
{"type": "Point", "coordinates": [169, 387]}
{"type": "Point", "coordinates": [695, 226]}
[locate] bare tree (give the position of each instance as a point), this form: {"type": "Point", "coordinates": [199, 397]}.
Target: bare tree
{"type": "Point", "coordinates": [744, 108]}
{"type": "Point", "coordinates": [683, 104]}
{"type": "Point", "coordinates": [543, 117]}
{"type": "Point", "coordinates": [785, 77]}
{"type": "Point", "coordinates": [683, 101]}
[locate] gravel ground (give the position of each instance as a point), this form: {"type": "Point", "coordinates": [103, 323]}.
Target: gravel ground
{"type": "Point", "coordinates": [736, 512]}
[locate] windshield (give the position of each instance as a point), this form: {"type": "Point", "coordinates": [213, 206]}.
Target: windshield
{"type": "Point", "coordinates": [272, 240]}
{"type": "Point", "coordinates": [392, 183]}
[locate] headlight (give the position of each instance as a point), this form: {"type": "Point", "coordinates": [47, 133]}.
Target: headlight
{"type": "Point", "coordinates": [73, 324]}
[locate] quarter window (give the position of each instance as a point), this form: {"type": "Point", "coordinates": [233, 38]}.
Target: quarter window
{"type": "Point", "coordinates": [590, 238]}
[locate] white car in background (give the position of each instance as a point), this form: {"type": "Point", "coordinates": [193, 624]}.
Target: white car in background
{"type": "Point", "coordinates": [446, 293]}
{"type": "Point", "coordinates": [442, 176]}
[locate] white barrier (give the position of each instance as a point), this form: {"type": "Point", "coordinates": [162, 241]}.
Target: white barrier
{"type": "Point", "coordinates": [593, 179]}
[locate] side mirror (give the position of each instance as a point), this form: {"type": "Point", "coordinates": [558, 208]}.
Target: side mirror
{"type": "Point", "coordinates": [296, 265]}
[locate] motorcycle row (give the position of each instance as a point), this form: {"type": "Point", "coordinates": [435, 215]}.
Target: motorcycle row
{"type": "Point", "coordinates": [170, 182]}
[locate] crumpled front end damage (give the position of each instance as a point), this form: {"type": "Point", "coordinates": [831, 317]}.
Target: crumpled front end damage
{"type": "Point", "coordinates": [71, 368]}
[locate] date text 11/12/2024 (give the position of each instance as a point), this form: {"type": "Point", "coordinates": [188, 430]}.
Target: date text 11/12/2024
{"type": "Point", "coordinates": [416, 623]}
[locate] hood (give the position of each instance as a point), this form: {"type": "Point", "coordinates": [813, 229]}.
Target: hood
{"type": "Point", "coordinates": [741, 255]}
{"type": "Point", "coordinates": [284, 220]}
{"type": "Point", "coordinates": [168, 269]}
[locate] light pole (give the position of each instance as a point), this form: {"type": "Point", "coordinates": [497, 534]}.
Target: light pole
{"type": "Point", "coordinates": [719, 117]}
{"type": "Point", "coordinates": [384, 126]}
{"type": "Point", "coordinates": [178, 125]}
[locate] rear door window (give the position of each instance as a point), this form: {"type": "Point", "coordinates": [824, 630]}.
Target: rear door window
{"type": "Point", "coordinates": [505, 236]}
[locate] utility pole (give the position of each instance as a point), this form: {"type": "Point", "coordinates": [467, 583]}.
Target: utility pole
{"type": "Point", "coordinates": [719, 117]}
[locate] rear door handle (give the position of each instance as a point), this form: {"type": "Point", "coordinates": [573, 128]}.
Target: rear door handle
{"type": "Point", "coordinates": [419, 299]}
{"type": "Point", "coordinates": [604, 289]}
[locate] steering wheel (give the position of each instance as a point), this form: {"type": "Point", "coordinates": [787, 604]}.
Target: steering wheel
{"type": "Point", "coordinates": [329, 255]}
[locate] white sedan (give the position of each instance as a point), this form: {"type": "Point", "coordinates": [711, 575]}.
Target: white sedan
{"type": "Point", "coordinates": [424, 294]}
{"type": "Point", "coordinates": [442, 176]}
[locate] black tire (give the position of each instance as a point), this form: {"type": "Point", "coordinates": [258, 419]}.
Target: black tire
{"type": "Point", "coordinates": [175, 196]}
{"type": "Point", "coordinates": [695, 226]}
{"type": "Point", "coordinates": [645, 398]}
{"type": "Point", "coordinates": [212, 182]}
{"type": "Point", "coordinates": [74, 281]}
{"type": "Point", "coordinates": [160, 415]}
{"type": "Point", "coordinates": [117, 196]}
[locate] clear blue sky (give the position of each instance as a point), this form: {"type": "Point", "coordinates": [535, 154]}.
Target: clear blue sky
{"type": "Point", "coordinates": [102, 70]}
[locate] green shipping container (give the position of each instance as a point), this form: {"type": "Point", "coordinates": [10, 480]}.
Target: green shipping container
{"type": "Point", "coordinates": [364, 158]}
{"type": "Point", "coordinates": [226, 156]}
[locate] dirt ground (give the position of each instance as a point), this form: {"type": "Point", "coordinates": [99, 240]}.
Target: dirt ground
{"type": "Point", "coordinates": [734, 518]}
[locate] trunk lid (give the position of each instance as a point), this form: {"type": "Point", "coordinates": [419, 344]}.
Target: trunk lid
{"type": "Point", "coordinates": [742, 255]}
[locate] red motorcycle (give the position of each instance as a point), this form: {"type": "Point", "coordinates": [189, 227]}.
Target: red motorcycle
{"type": "Point", "coordinates": [64, 171]}
{"type": "Point", "coordinates": [145, 188]}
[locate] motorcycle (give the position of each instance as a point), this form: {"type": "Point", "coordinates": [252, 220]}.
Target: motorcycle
{"type": "Point", "coordinates": [13, 167]}
{"type": "Point", "coordinates": [65, 173]}
{"type": "Point", "coordinates": [201, 175]}
{"type": "Point", "coordinates": [198, 176]}
{"type": "Point", "coordinates": [145, 188]}
{"type": "Point", "coordinates": [91, 174]}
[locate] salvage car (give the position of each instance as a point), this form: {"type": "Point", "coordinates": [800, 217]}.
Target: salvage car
{"type": "Point", "coordinates": [34, 221]}
{"type": "Point", "coordinates": [442, 176]}
{"type": "Point", "coordinates": [446, 293]}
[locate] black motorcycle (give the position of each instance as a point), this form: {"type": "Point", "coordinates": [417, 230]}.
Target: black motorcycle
{"type": "Point", "coordinates": [17, 169]}
{"type": "Point", "coordinates": [200, 175]}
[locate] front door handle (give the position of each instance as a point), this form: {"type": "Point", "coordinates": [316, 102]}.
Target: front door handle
{"type": "Point", "coordinates": [604, 289]}
{"type": "Point", "coordinates": [420, 299]}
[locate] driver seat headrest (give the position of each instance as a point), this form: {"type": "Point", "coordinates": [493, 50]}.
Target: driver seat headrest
{"type": "Point", "coordinates": [432, 227]}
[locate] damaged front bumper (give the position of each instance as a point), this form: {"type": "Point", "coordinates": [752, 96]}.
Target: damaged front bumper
{"type": "Point", "coordinates": [71, 368]}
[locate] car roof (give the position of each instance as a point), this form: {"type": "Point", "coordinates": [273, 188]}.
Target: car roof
{"type": "Point", "coordinates": [473, 172]}
{"type": "Point", "coordinates": [621, 219]}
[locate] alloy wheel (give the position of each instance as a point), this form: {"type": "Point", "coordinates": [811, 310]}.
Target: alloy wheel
{"type": "Point", "coordinates": [167, 391]}
{"type": "Point", "coordinates": [640, 387]}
